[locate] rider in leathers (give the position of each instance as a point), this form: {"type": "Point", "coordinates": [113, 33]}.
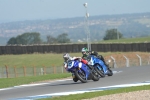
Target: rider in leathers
{"type": "Point", "coordinates": [86, 53]}
{"type": "Point", "coordinates": [86, 56]}
{"type": "Point", "coordinates": [67, 57]}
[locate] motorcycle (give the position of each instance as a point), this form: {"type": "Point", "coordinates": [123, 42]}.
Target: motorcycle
{"type": "Point", "coordinates": [83, 73]}
{"type": "Point", "coordinates": [101, 68]}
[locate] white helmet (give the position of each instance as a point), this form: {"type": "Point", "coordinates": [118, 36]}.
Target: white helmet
{"type": "Point", "coordinates": [66, 56]}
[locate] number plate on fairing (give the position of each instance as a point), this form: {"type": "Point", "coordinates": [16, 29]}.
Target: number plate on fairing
{"type": "Point", "coordinates": [70, 64]}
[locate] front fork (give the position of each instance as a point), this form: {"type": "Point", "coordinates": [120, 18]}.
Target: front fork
{"type": "Point", "coordinates": [84, 70]}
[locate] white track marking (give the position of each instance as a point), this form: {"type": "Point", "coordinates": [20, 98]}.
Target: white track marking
{"type": "Point", "coordinates": [82, 91]}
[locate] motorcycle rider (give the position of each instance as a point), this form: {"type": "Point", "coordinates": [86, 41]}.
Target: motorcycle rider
{"type": "Point", "coordinates": [86, 53]}
{"type": "Point", "coordinates": [67, 58]}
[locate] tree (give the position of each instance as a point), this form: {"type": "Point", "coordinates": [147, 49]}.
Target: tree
{"type": "Point", "coordinates": [12, 41]}
{"type": "Point", "coordinates": [26, 38]}
{"type": "Point", "coordinates": [63, 38]}
{"type": "Point", "coordinates": [112, 34]}
{"type": "Point", "coordinates": [51, 39]}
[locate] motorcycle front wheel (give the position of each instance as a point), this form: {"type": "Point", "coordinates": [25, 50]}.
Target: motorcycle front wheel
{"type": "Point", "coordinates": [96, 76]}
{"type": "Point", "coordinates": [81, 76]}
{"type": "Point", "coordinates": [99, 70]}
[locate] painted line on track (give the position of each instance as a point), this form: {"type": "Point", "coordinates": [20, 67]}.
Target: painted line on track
{"type": "Point", "coordinates": [48, 95]}
{"type": "Point", "coordinates": [36, 84]}
{"type": "Point", "coordinates": [82, 91]}
{"type": "Point", "coordinates": [29, 85]}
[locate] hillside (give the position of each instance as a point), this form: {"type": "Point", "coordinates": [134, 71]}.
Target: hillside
{"type": "Point", "coordinates": [130, 25]}
{"type": "Point", "coordinates": [128, 40]}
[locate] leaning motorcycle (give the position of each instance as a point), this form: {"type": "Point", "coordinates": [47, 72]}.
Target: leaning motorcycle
{"type": "Point", "coordinates": [101, 68]}
{"type": "Point", "coordinates": [82, 73]}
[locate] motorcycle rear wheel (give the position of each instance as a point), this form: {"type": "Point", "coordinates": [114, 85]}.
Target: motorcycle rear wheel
{"type": "Point", "coordinates": [75, 79]}
{"type": "Point", "coordinates": [110, 73]}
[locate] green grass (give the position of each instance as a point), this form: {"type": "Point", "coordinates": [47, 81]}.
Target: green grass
{"type": "Point", "coordinates": [128, 40]}
{"type": "Point", "coordinates": [30, 60]}
{"type": "Point", "coordinates": [99, 93]}
{"type": "Point", "coordinates": [37, 60]}
{"type": "Point", "coordinates": [9, 82]}
{"type": "Point", "coordinates": [40, 60]}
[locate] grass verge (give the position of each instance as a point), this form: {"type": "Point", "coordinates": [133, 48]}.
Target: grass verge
{"type": "Point", "coordinates": [10, 82]}
{"type": "Point", "coordinates": [37, 60]}
{"type": "Point", "coordinates": [49, 59]}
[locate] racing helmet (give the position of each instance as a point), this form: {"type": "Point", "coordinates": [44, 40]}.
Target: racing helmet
{"type": "Point", "coordinates": [84, 51]}
{"type": "Point", "coordinates": [66, 56]}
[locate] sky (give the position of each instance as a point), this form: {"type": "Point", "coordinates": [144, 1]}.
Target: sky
{"type": "Point", "coordinates": [20, 10]}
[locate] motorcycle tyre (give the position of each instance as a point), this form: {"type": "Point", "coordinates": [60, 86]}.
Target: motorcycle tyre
{"type": "Point", "coordinates": [95, 77]}
{"type": "Point", "coordinates": [75, 79]}
{"type": "Point", "coordinates": [110, 73]}
{"type": "Point", "coordinates": [101, 73]}
{"type": "Point", "coordinates": [79, 77]}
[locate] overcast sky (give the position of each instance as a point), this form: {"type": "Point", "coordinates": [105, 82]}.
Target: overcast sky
{"type": "Point", "coordinates": [20, 10]}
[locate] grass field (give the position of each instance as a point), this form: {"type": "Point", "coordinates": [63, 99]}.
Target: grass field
{"type": "Point", "coordinates": [128, 40]}
{"type": "Point", "coordinates": [38, 60]}
{"type": "Point", "coordinates": [50, 59]}
{"type": "Point", "coordinates": [29, 60]}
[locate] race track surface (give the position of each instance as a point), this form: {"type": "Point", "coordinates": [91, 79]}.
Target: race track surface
{"type": "Point", "coordinates": [126, 75]}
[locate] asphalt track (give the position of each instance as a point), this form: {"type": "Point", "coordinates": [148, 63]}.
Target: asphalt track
{"type": "Point", "coordinates": [126, 75]}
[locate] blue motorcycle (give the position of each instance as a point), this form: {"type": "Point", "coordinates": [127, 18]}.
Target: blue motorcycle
{"type": "Point", "coordinates": [101, 68]}
{"type": "Point", "coordinates": [83, 73]}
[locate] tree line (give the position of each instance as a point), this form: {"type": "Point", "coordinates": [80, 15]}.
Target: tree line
{"type": "Point", "coordinates": [34, 38]}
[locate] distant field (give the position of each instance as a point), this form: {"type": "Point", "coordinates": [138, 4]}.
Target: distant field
{"type": "Point", "coordinates": [30, 60]}
{"type": "Point", "coordinates": [51, 59]}
{"type": "Point", "coordinates": [143, 20]}
{"type": "Point", "coordinates": [128, 40]}
{"type": "Point", "coordinates": [37, 60]}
